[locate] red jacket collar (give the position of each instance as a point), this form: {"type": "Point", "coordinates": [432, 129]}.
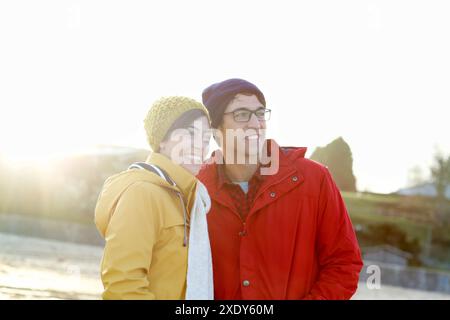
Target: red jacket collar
{"type": "Point", "coordinates": [286, 158]}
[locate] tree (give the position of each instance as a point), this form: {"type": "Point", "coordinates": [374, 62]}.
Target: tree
{"type": "Point", "coordinates": [416, 177]}
{"type": "Point", "coordinates": [337, 156]}
{"type": "Point", "coordinates": [440, 175]}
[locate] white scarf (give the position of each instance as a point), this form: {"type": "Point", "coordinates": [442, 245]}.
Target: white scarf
{"type": "Point", "coordinates": [200, 284]}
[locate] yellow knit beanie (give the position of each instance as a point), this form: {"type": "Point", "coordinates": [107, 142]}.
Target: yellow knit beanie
{"type": "Point", "coordinates": [163, 113]}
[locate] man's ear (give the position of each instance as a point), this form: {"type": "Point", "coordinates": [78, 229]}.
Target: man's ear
{"type": "Point", "coordinates": [216, 133]}
{"type": "Point", "coordinates": [218, 136]}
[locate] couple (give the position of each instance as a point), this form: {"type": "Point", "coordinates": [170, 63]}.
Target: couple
{"type": "Point", "coordinates": [254, 221]}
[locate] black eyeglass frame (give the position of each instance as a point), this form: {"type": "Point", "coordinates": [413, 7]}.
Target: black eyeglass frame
{"type": "Point", "coordinates": [250, 112]}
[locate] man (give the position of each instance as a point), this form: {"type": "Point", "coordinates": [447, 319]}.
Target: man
{"type": "Point", "coordinates": [285, 235]}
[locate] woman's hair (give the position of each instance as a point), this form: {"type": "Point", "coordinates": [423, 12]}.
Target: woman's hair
{"type": "Point", "coordinates": [184, 121]}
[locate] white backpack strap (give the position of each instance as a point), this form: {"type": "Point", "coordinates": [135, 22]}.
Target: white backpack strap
{"type": "Point", "coordinates": [167, 178]}
{"type": "Point", "coordinates": [154, 169]}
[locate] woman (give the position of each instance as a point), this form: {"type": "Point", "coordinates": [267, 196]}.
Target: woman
{"type": "Point", "coordinates": [153, 216]}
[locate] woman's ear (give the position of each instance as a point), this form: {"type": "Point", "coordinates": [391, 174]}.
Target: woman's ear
{"type": "Point", "coordinates": [162, 146]}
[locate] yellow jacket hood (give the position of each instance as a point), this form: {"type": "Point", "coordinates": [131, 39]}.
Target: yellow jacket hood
{"type": "Point", "coordinates": [114, 187]}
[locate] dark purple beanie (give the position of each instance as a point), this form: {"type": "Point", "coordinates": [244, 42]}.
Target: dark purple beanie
{"type": "Point", "coordinates": [218, 95]}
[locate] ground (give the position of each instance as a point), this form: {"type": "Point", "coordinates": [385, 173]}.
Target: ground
{"type": "Point", "coordinates": [32, 268]}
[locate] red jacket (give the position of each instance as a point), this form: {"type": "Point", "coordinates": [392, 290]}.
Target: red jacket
{"type": "Point", "coordinates": [297, 241]}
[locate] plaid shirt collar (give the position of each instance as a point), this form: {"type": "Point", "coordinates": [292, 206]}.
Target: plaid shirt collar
{"type": "Point", "coordinates": [223, 179]}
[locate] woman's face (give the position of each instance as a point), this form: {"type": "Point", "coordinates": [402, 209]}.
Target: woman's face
{"type": "Point", "coordinates": [189, 146]}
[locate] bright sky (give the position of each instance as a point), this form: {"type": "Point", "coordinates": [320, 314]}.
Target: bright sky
{"type": "Point", "coordinates": [78, 73]}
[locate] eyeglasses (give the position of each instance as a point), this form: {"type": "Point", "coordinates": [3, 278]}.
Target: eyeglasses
{"type": "Point", "coordinates": [244, 115]}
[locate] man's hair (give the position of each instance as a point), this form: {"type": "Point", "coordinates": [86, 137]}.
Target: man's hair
{"type": "Point", "coordinates": [218, 96]}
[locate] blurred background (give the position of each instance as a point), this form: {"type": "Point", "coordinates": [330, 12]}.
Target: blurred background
{"type": "Point", "coordinates": [363, 84]}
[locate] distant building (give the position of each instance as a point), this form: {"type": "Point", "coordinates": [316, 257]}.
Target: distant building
{"type": "Point", "coordinates": [426, 189]}
{"type": "Point", "coordinates": [386, 254]}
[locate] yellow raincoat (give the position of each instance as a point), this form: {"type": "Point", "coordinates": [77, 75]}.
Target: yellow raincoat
{"type": "Point", "coordinates": [142, 221]}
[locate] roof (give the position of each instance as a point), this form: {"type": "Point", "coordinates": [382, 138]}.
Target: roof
{"type": "Point", "coordinates": [387, 248]}
{"type": "Point", "coordinates": [426, 189]}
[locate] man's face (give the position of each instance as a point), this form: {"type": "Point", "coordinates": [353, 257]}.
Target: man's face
{"type": "Point", "coordinates": [248, 135]}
